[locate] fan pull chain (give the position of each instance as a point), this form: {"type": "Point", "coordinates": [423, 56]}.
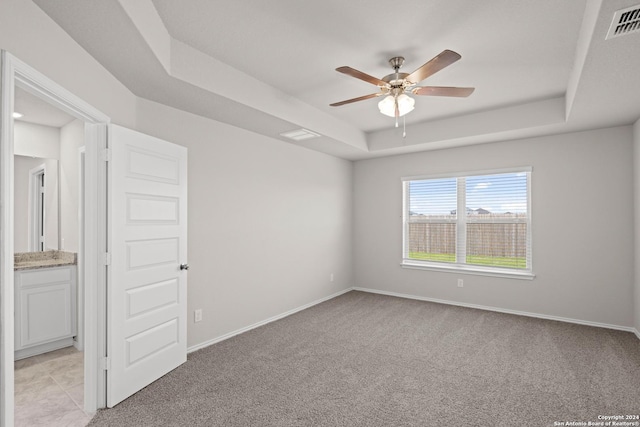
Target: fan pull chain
{"type": "Point", "coordinates": [396, 121]}
{"type": "Point", "coordinates": [404, 126]}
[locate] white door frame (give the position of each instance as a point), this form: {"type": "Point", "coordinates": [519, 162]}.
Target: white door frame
{"type": "Point", "coordinates": [16, 73]}
{"type": "Point", "coordinates": [79, 344]}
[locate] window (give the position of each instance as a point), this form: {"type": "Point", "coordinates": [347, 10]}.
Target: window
{"type": "Point", "coordinates": [478, 223]}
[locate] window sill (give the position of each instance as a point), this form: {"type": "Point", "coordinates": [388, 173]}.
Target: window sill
{"type": "Point", "coordinates": [468, 269]}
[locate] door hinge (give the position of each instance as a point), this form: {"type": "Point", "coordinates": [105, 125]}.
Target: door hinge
{"type": "Point", "coordinates": [107, 258]}
{"type": "Point", "coordinates": [105, 363]}
{"type": "Point", "coordinates": [106, 154]}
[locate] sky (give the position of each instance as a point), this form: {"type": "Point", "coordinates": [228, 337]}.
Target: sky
{"type": "Point", "coordinates": [495, 193]}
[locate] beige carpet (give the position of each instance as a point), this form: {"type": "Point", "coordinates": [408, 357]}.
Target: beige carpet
{"type": "Point", "coordinates": [370, 360]}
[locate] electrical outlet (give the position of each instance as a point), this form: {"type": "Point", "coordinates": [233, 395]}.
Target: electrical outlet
{"type": "Point", "coordinates": [197, 315]}
{"type": "Point", "coordinates": [331, 277]}
{"type": "Point", "coordinates": [460, 283]}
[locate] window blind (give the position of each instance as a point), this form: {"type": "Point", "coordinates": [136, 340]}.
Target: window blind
{"type": "Point", "coordinates": [431, 228]}
{"type": "Point", "coordinates": [497, 220]}
{"type": "Point", "coordinates": [478, 220]}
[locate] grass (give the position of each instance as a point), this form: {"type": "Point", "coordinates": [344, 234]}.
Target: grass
{"type": "Point", "coordinates": [515, 262]}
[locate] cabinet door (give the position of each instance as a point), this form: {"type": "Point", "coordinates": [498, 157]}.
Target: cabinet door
{"type": "Point", "coordinates": [44, 311]}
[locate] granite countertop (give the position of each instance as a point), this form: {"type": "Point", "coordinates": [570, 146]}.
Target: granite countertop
{"type": "Point", "coordinates": [32, 260]}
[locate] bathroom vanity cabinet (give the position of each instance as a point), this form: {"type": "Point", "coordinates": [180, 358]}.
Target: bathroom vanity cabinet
{"type": "Point", "coordinates": [45, 309]}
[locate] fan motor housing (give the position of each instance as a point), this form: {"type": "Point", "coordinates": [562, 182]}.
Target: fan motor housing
{"type": "Point", "coordinates": [396, 62]}
{"type": "Point", "coordinates": [395, 79]}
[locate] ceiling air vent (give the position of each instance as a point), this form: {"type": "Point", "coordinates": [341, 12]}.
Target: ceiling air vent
{"type": "Point", "coordinates": [300, 134]}
{"type": "Point", "coordinates": [625, 21]}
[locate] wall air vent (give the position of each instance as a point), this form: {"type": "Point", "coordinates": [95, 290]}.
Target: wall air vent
{"type": "Point", "coordinates": [625, 21]}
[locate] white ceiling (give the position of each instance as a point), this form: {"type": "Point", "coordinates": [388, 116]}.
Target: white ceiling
{"type": "Point", "coordinates": [538, 66]}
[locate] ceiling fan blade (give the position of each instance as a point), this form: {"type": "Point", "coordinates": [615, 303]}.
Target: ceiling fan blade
{"type": "Point", "coordinates": [444, 59]}
{"type": "Point", "coordinates": [362, 76]}
{"type": "Point", "coordinates": [461, 92]}
{"type": "Point", "coordinates": [360, 98]}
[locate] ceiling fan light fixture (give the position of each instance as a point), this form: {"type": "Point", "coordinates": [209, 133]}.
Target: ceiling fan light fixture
{"type": "Point", "coordinates": [405, 104]}
{"type": "Point", "coordinates": [388, 105]}
{"type": "Point", "coordinates": [394, 87]}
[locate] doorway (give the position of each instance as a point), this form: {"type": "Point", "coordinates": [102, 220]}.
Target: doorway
{"type": "Point", "coordinates": [48, 303]}
{"type": "Point", "coordinates": [16, 74]}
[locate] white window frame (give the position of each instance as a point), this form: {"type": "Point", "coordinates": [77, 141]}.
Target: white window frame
{"type": "Point", "coordinates": [461, 229]}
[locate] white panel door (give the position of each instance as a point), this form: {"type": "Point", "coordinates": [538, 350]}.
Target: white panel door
{"type": "Point", "coordinates": [147, 289]}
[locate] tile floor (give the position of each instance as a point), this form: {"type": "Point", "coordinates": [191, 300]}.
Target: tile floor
{"type": "Point", "coordinates": [49, 390]}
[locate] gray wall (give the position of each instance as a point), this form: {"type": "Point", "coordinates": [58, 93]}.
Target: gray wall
{"type": "Point", "coordinates": [249, 266]}
{"type": "Point", "coordinates": [636, 181]}
{"type": "Point", "coordinates": [29, 34]}
{"type": "Point", "coordinates": [268, 221]}
{"type": "Point", "coordinates": [582, 217]}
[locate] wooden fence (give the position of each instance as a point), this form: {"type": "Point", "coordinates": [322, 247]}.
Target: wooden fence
{"type": "Point", "coordinates": [500, 239]}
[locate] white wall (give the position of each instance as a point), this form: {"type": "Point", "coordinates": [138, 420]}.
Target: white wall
{"type": "Point", "coordinates": [268, 221]}
{"type": "Point", "coordinates": [582, 213]}
{"type": "Point", "coordinates": [636, 188]}
{"type": "Point", "coordinates": [71, 139]}
{"type": "Point", "coordinates": [34, 140]}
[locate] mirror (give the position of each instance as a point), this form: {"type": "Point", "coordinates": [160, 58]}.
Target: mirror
{"type": "Point", "coordinates": [46, 167]}
{"type": "Point", "coordinates": [36, 208]}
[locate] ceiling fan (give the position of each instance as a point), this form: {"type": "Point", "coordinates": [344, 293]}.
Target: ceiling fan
{"type": "Point", "coordinates": [397, 85]}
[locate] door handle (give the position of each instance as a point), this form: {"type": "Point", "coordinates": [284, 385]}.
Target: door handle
{"type": "Point", "coordinates": [184, 266]}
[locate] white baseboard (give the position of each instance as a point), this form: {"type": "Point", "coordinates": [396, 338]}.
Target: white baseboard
{"type": "Point", "coordinates": [503, 310]}
{"type": "Point", "coordinates": [264, 322]}
{"type": "Point", "coordinates": [415, 297]}
{"type": "Point", "coordinates": [42, 348]}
